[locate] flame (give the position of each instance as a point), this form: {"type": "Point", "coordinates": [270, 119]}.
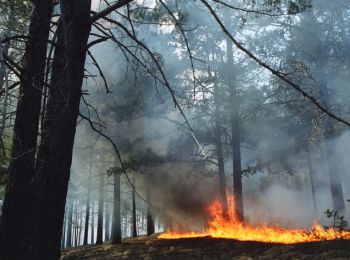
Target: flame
{"type": "Point", "coordinates": [230, 227]}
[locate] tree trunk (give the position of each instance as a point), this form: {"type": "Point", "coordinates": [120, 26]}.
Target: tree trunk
{"type": "Point", "coordinates": [335, 182]}
{"type": "Point", "coordinates": [312, 180]}
{"type": "Point", "coordinates": [236, 142]}
{"type": "Point", "coordinates": [75, 224]}
{"type": "Point", "coordinates": [87, 212]}
{"type": "Point", "coordinates": [80, 225]}
{"type": "Point", "coordinates": [14, 238]}
{"type": "Point", "coordinates": [134, 226]}
{"type": "Point", "coordinates": [55, 153]}
{"type": "Point", "coordinates": [99, 238]}
{"type": "Point", "coordinates": [92, 222]}
{"type": "Point", "coordinates": [150, 220]}
{"type": "Point", "coordinates": [69, 224]}
{"type": "Point", "coordinates": [107, 227]}
{"type": "Point", "coordinates": [116, 225]}
{"type": "Point", "coordinates": [219, 152]}
{"type": "Point", "coordinates": [63, 242]}
{"type": "Point", "coordinates": [332, 161]}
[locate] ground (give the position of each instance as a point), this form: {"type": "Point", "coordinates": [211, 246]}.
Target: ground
{"type": "Point", "coordinates": [208, 248]}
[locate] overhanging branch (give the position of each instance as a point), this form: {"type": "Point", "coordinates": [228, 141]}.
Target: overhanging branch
{"type": "Point", "coordinates": [275, 72]}
{"type": "Point", "coordinates": [110, 9]}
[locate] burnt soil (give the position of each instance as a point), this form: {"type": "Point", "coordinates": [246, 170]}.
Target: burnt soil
{"type": "Point", "coordinates": [149, 247]}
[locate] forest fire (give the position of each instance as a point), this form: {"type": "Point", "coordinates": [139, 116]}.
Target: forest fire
{"type": "Point", "coordinates": [231, 228]}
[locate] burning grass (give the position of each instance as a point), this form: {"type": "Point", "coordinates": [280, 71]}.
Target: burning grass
{"type": "Point", "coordinates": [231, 228]}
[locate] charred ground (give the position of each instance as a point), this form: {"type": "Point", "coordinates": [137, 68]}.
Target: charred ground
{"type": "Point", "coordinates": [208, 248]}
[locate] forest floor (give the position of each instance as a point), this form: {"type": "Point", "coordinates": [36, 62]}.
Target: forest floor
{"type": "Point", "coordinates": [145, 247]}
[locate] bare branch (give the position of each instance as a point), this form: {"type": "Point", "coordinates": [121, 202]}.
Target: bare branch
{"type": "Point", "coordinates": [275, 72]}
{"type": "Point", "coordinates": [166, 82]}
{"type": "Point", "coordinates": [249, 10]}
{"type": "Point", "coordinates": [186, 43]}
{"type": "Point", "coordinates": [110, 9]}
{"type": "Point", "coordinates": [26, 37]}
{"type": "Point", "coordinates": [97, 41]}
{"type": "Point", "coordinates": [100, 71]}
{"type": "Point", "coordinates": [2, 91]}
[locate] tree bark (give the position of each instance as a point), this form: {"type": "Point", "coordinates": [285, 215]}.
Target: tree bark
{"type": "Point", "coordinates": [150, 220]}
{"type": "Point", "coordinates": [107, 227]}
{"type": "Point", "coordinates": [236, 142]}
{"type": "Point", "coordinates": [92, 222]}
{"type": "Point", "coordinates": [99, 238]}
{"type": "Point", "coordinates": [55, 152]}
{"type": "Point", "coordinates": [80, 225]}
{"type": "Point", "coordinates": [312, 179]}
{"type": "Point", "coordinates": [87, 212]}
{"type": "Point", "coordinates": [63, 242]}
{"type": "Point", "coordinates": [219, 152]}
{"type": "Point", "coordinates": [76, 224]}
{"type": "Point", "coordinates": [14, 240]}
{"type": "Point", "coordinates": [69, 224]}
{"type": "Point", "coordinates": [116, 225]}
{"type": "Point", "coordinates": [134, 225]}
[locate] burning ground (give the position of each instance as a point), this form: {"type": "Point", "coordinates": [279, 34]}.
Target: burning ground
{"type": "Point", "coordinates": [225, 237]}
{"type": "Point", "coordinates": [223, 224]}
{"type": "Point", "coordinates": [208, 248]}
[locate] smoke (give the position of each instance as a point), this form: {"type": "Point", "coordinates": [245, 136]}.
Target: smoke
{"type": "Point", "coordinates": [276, 123]}
{"type": "Point", "coordinates": [181, 195]}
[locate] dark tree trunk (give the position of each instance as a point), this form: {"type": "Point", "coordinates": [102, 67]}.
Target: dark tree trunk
{"type": "Point", "coordinates": [76, 224]}
{"type": "Point", "coordinates": [150, 220]}
{"type": "Point", "coordinates": [92, 222]}
{"type": "Point", "coordinates": [69, 224]}
{"type": "Point", "coordinates": [312, 179]}
{"type": "Point", "coordinates": [219, 152]}
{"type": "Point", "coordinates": [236, 142]}
{"type": "Point", "coordinates": [63, 241]}
{"type": "Point", "coordinates": [116, 225]}
{"type": "Point", "coordinates": [332, 161]}
{"type": "Point", "coordinates": [134, 227]}
{"type": "Point", "coordinates": [87, 212]}
{"type": "Point", "coordinates": [99, 238]}
{"type": "Point", "coordinates": [107, 227]}
{"type": "Point", "coordinates": [80, 225]}
{"type": "Point", "coordinates": [55, 153]}
{"type": "Point", "coordinates": [237, 171]}
{"type": "Point", "coordinates": [14, 240]}
{"type": "Point", "coordinates": [335, 182]}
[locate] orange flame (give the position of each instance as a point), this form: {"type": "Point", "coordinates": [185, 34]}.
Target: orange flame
{"type": "Point", "coordinates": [231, 228]}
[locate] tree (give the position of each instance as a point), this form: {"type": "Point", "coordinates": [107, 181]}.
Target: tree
{"type": "Point", "coordinates": [69, 238]}
{"type": "Point", "coordinates": [219, 150]}
{"type": "Point", "coordinates": [235, 135]}
{"type": "Point", "coordinates": [52, 165]}
{"type": "Point", "coordinates": [116, 225]}
{"type": "Point", "coordinates": [150, 220]}
{"type": "Point", "coordinates": [87, 212]}
{"type": "Point", "coordinates": [99, 238]}
{"type": "Point", "coordinates": [16, 212]}
{"type": "Point", "coordinates": [133, 200]}
{"type": "Point", "coordinates": [321, 56]}
{"type": "Point", "coordinates": [107, 222]}
{"type": "Point", "coordinates": [38, 181]}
